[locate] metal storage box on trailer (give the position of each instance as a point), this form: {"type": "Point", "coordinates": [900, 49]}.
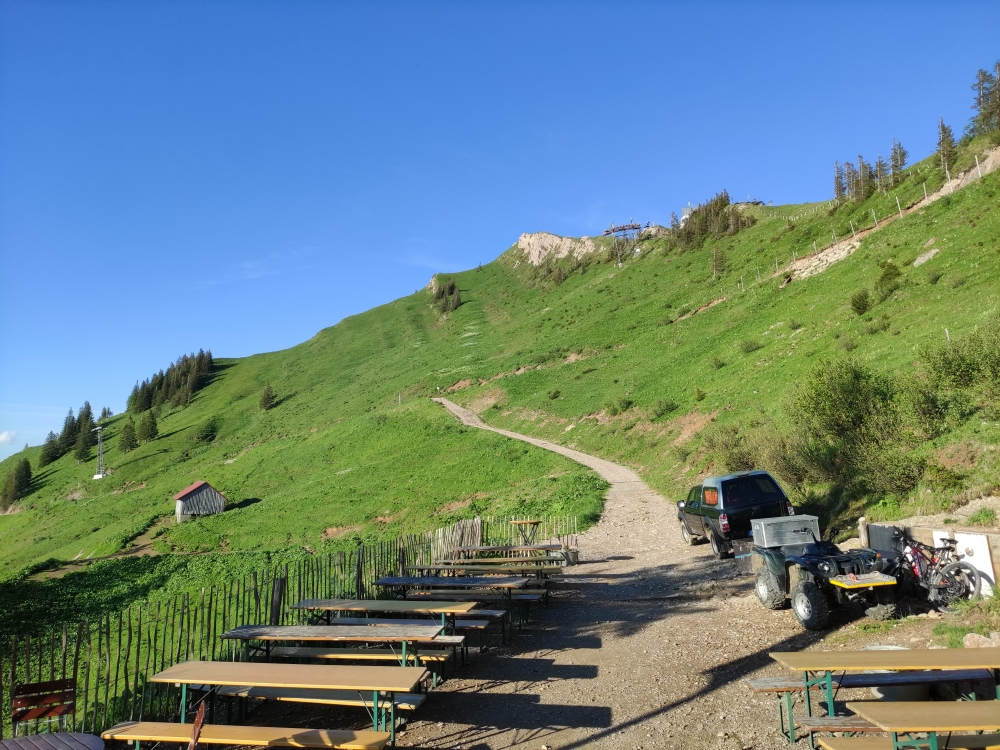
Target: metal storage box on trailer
{"type": "Point", "coordinates": [777, 532]}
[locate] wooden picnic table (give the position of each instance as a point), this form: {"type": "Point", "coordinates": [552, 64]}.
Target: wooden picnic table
{"type": "Point", "coordinates": [538, 570]}
{"type": "Point", "coordinates": [504, 584]}
{"type": "Point", "coordinates": [443, 608]}
{"type": "Point", "coordinates": [510, 548]}
{"type": "Point", "coordinates": [527, 560]}
{"type": "Point", "coordinates": [377, 680]}
{"type": "Point", "coordinates": [404, 635]}
{"type": "Point", "coordinates": [825, 663]}
{"type": "Point", "coordinates": [527, 530]}
{"type": "Point", "coordinates": [901, 717]}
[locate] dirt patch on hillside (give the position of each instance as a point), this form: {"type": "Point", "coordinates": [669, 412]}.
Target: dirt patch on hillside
{"type": "Point", "coordinates": [458, 386]}
{"type": "Point", "coordinates": [333, 532]}
{"type": "Point", "coordinates": [465, 502]}
{"type": "Point", "coordinates": [691, 424]}
{"type": "Point", "coordinates": [390, 518]}
{"type": "Point", "coordinates": [959, 456]}
{"type": "Point", "coordinates": [691, 314]}
{"type": "Point", "coordinates": [487, 399]}
{"type": "Point", "coordinates": [129, 487]}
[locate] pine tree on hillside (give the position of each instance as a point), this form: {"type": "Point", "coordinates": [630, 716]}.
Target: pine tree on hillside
{"type": "Point", "coordinates": [851, 180]}
{"type": "Point", "coordinates": [127, 441]}
{"type": "Point", "coordinates": [946, 146]}
{"type": "Point", "coordinates": [864, 179]}
{"type": "Point", "coordinates": [980, 122]}
{"type": "Point", "coordinates": [106, 413]}
{"type": "Point", "coordinates": [839, 189]}
{"type": "Point", "coordinates": [897, 159]}
{"type": "Point", "coordinates": [67, 438]}
{"type": "Point", "coordinates": [50, 450]}
{"type": "Point", "coordinates": [85, 423]}
{"type": "Point", "coordinates": [147, 427]}
{"type": "Point", "coordinates": [675, 223]}
{"type": "Point", "coordinates": [22, 477]}
{"type": "Point", "coordinates": [268, 398]}
{"type": "Point", "coordinates": [82, 450]}
{"type": "Point", "coordinates": [881, 172]}
{"type": "Point", "coordinates": [991, 113]}
{"type": "Point", "coordinates": [8, 493]}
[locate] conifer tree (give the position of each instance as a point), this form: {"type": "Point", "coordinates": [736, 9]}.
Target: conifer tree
{"type": "Point", "coordinates": [127, 440]}
{"type": "Point", "coordinates": [67, 438]}
{"type": "Point", "coordinates": [839, 189]}
{"type": "Point", "coordinates": [946, 146]}
{"type": "Point", "coordinates": [50, 450]}
{"type": "Point", "coordinates": [268, 397]}
{"type": "Point", "coordinates": [8, 493]}
{"type": "Point", "coordinates": [982, 88]}
{"type": "Point", "coordinates": [674, 222]}
{"type": "Point", "coordinates": [85, 425]}
{"type": "Point", "coordinates": [864, 179]}
{"type": "Point", "coordinates": [106, 413]}
{"type": "Point", "coordinates": [881, 172]}
{"type": "Point", "coordinates": [851, 180]}
{"type": "Point", "coordinates": [22, 477]}
{"type": "Point", "coordinates": [897, 159]}
{"type": "Point", "coordinates": [147, 427]}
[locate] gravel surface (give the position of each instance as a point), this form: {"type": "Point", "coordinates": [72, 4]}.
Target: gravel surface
{"type": "Point", "coordinates": [645, 644]}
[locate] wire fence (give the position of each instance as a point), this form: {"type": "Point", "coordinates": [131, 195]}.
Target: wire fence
{"type": "Point", "coordinates": [112, 658]}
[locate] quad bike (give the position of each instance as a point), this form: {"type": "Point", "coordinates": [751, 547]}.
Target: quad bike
{"type": "Point", "coordinates": [817, 575]}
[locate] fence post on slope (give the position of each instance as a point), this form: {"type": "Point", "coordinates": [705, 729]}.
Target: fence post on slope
{"type": "Point", "coordinates": [899, 208]}
{"type": "Point", "coordinates": [978, 170]}
{"type": "Point", "coordinates": [925, 191]}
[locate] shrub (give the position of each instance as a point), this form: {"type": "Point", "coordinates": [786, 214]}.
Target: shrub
{"type": "Point", "coordinates": [208, 431]}
{"type": "Point", "coordinates": [699, 394]}
{"type": "Point", "coordinates": [795, 325]}
{"type": "Point", "coordinates": [717, 363]}
{"type": "Point", "coordinates": [847, 344]}
{"type": "Point", "coordinates": [662, 406]}
{"type": "Point", "coordinates": [619, 405]}
{"type": "Point", "coordinates": [934, 277]}
{"type": "Point", "coordinates": [750, 345]}
{"type": "Point", "coordinates": [957, 282]}
{"type": "Point", "coordinates": [553, 394]}
{"type": "Point", "coordinates": [861, 302]}
{"type": "Point", "coordinates": [877, 326]}
{"type": "Point", "coordinates": [983, 517]}
{"type": "Point", "coordinates": [888, 281]}
{"type": "Point", "coordinates": [268, 398]}
{"type": "Point", "coordinates": [730, 446]}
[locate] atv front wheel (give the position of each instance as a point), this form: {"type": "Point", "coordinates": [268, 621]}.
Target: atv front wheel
{"type": "Point", "coordinates": [809, 605]}
{"type": "Point", "coordinates": [884, 607]}
{"type": "Point", "coordinates": [769, 593]}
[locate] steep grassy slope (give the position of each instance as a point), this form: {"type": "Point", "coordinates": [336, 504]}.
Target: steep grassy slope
{"type": "Point", "coordinates": [356, 449]}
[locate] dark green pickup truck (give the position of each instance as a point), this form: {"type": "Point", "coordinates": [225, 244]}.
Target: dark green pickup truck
{"type": "Point", "coordinates": [720, 508]}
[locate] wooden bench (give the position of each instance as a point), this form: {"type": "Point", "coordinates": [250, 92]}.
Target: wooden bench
{"type": "Point", "coordinates": [225, 734]}
{"type": "Point", "coordinates": [522, 599]}
{"type": "Point", "coordinates": [954, 742]}
{"type": "Point", "coordinates": [494, 615]}
{"type": "Point", "coordinates": [786, 687]}
{"type": "Point", "coordinates": [401, 701]}
{"type": "Point", "coordinates": [434, 656]}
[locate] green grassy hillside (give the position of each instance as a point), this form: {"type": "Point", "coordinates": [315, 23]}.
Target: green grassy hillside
{"type": "Point", "coordinates": [600, 360]}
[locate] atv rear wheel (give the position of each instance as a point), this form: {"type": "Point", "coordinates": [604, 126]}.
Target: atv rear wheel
{"type": "Point", "coordinates": [809, 605]}
{"type": "Point", "coordinates": [769, 593]}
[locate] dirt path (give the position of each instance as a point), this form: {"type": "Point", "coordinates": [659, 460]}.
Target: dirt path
{"type": "Point", "coordinates": [645, 643]}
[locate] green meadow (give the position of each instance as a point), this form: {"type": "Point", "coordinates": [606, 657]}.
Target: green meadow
{"type": "Point", "coordinates": [584, 352]}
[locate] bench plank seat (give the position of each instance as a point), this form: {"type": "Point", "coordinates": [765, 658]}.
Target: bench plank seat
{"type": "Point", "coordinates": [836, 724]}
{"type": "Point", "coordinates": [225, 734]}
{"type": "Point", "coordinates": [875, 679]}
{"type": "Point", "coordinates": [954, 742]}
{"type": "Point", "coordinates": [363, 654]}
{"type": "Point", "coordinates": [403, 701]}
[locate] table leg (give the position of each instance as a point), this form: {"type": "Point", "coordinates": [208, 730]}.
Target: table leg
{"type": "Point", "coordinates": [826, 681]}
{"type": "Point", "coordinates": [789, 732]}
{"type": "Point", "coordinates": [403, 662]}
{"type": "Point", "coordinates": [184, 697]}
{"type": "Point", "coordinates": [908, 742]}
{"type": "Point", "coordinates": [392, 719]}
{"type": "Point", "coordinates": [376, 714]}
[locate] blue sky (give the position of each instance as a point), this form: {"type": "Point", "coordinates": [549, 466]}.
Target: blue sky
{"type": "Point", "coordinates": [239, 175]}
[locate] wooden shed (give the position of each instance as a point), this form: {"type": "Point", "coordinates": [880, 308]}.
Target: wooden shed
{"type": "Point", "coordinates": [200, 499]}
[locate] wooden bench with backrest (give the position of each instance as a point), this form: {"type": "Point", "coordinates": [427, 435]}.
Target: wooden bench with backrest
{"type": "Point", "coordinates": [53, 700]}
{"type": "Point", "coordinates": [787, 687]}
{"type": "Point", "coordinates": [226, 734]}
{"type": "Point", "coordinates": [953, 742]}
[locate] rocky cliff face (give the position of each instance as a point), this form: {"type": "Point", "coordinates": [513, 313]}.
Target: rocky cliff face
{"type": "Point", "coordinates": [542, 246]}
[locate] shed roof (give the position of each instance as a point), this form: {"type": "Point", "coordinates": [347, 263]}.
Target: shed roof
{"type": "Point", "coordinates": [188, 490]}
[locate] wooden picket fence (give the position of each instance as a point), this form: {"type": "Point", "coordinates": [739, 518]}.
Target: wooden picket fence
{"type": "Point", "coordinates": [112, 658]}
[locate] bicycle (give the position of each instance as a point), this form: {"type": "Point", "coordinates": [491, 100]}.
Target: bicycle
{"type": "Point", "coordinates": [936, 570]}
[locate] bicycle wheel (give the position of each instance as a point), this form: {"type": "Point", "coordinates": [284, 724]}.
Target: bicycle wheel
{"type": "Point", "coordinates": [957, 580]}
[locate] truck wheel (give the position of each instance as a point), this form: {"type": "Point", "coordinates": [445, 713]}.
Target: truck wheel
{"type": "Point", "coordinates": [810, 606]}
{"type": "Point", "coordinates": [686, 535]}
{"type": "Point", "coordinates": [769, 593]}
{"type": "Point", "coordinates": [719, 548]}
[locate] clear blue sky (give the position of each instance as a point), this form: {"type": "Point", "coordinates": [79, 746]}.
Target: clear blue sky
{"type": "Point", "coordinates": [238, 175]}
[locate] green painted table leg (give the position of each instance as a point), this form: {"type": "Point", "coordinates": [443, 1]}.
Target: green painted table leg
{"type": "Point", "coordinates": [184, 697]}
{"type": "Point", "coordinates": [788, 731]}
{"type": "Point", "coordinates": [376, 716]}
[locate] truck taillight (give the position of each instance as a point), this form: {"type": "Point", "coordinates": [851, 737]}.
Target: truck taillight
{"type": "Point", "coordinates": [723, 522]}
{"type": "Point", "coordinates": [791, 509]}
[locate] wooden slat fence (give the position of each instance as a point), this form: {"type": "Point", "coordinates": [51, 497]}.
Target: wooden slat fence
{"type": "Point", "coordinates": [112, 657]}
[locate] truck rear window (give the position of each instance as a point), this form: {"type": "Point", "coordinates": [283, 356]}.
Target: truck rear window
{"type": "Point", "coordinates": [749, 490]}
